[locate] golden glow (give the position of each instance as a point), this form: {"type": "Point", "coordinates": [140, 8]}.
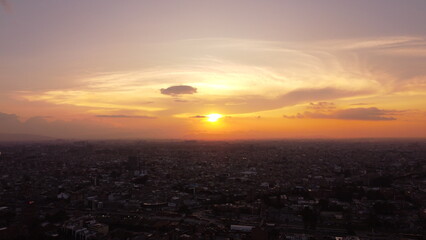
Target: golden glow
{"type": "Point", "coordinates": [338, 97]}
{"type": "Point", "coordinates": [213, 117]}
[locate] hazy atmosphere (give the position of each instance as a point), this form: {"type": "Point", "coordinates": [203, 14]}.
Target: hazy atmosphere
{"type": "Point", "coordinates": [213, 69]}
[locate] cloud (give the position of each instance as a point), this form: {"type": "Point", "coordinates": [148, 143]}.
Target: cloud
{"type": "Point", "coordinates": [198, 116]}
{"type": "Point", "coordinates": [322, 106]}
{"type": "Point", "coordinates": [39, 125]}
{"type": "Point", "coordinates": [178, 90]}
{"type": "Point", "coordinates": [304, 95]}
{"type": "Point", "coordinates": [257, 103]}
{"type": "Point", "coordinates": [314, 94]}
{"type": "Point", "coordinates": [360, 104]}
{"type": "Point", "coordinates": [365, 114]}
{"type": "Point", "coordinates": [125, 116]}
{"type": "Point", "coordinates": [372, 113]}
{"type": "Point", "coordinates": [380, 43]}
{"type": "Point", "coordinates": [8, 118]}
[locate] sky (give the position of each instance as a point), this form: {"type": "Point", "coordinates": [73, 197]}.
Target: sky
{"type": "Point", "coordinates": [108, 69]}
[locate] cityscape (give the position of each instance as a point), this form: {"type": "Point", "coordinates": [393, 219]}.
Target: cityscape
{"type": "Point", "coordinates": [212, 120]}
{"type": "Point", "coordinates": [283, 189]}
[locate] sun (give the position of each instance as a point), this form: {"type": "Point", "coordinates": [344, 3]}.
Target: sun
{"type": "Point", "coordinates": [213, 117]}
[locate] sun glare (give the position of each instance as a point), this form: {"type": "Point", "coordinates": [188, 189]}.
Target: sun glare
{"type": "Point", "coordinates": [213, 117]}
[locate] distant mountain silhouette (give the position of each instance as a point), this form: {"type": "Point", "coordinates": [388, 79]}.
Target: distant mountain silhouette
{"type": "Point", "coordinates": [6, 137]}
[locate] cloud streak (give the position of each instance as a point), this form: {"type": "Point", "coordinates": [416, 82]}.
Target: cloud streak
{"type": "Point", "coordinates": [125, 116]}
{"type": "Point", "coordinates": [198, 116]}
{"type": "Point", "coordinates": [364, 114]}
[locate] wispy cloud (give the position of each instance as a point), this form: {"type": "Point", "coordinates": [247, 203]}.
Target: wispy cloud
{"type": "Point", "coordinates": [248, 76]}
{"type": "Point", "coordinates": [380, 43]}
{"type": "Point", "coordinates": [125, 116]}
{"type": "Point", "coordinates": [365, 114]}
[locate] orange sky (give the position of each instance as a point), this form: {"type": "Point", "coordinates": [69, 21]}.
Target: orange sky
{"type": "Point", "coordinates": [151, 69]}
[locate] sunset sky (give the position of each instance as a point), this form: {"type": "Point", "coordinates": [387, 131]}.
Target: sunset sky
{"type": "Point", "coordinates": [155, 69]}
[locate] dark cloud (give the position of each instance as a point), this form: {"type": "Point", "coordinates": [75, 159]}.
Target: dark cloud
{"type": "Point", "coordinates": [321, 106]}
{"type": "Point", "coordinates": [366, 114]}
{"type": "Point", "coordinates": [125, 116]}
{"type": "Point", "coordinates": [299, 115]}
{"type": "Point", "coordinates": [198, 116]}
{"type": "Point", "coordinates": [178, 90]}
